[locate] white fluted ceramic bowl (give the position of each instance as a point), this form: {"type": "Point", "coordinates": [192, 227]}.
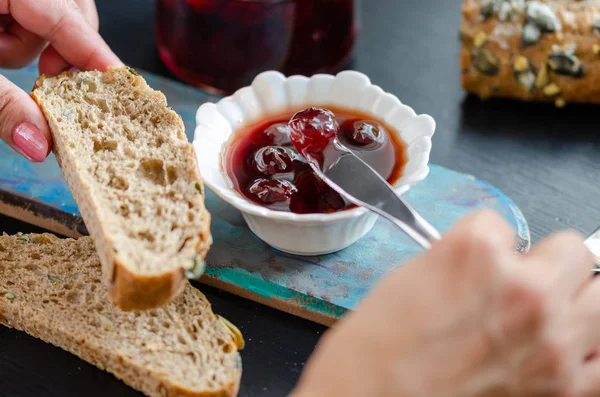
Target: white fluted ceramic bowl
{"type": "Point", "coordinates": [272, 93]}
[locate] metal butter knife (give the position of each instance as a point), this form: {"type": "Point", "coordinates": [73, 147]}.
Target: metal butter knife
{"type": "Point", "coordinates": [360, 184]}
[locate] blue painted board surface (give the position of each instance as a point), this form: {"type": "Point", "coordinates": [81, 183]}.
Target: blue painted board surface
{"type": "Point", "coordinates": [321, 288]}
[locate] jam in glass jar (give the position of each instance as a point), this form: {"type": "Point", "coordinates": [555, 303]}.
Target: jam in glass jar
{"type": "Point", "coordinates": [221, 45]}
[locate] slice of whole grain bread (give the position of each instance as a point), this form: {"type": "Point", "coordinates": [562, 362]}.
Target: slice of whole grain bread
{"type": "Point", "coordinates": [135, 178]}
{"type": "Point", "coordinates": [51, 289]}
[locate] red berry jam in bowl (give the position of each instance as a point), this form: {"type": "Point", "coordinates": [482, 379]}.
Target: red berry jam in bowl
{"type": "Point", "coordinates": [249, 149]}
{"type": "Point", "coordinates": [266, 161]}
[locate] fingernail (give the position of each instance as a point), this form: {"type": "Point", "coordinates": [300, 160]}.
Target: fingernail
{"type": "Point", "coordinates": [28, 138]}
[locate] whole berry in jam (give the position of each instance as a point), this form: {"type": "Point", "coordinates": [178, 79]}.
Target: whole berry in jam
{"type": "Point", "coordinates": [330, 201]}
{"type": "Point", "coordinates": [274, 135]}
{"type": "Point", "coordinates": [272, 160]}
{"type": "Point", "coordinates": [269, 191]}
{"type": "Point", "coordinates": [312, 130]}
{"type": "Point", "coordinates": [309, 184]}
{"type": "Point", "coordinates": [314, 196]}
{"type": "Point", "coordinates": [300, 205]}
{"type": "Point", "coordinates": [279, 134]}
{"type": "Point", "coordinates": [363, 133]}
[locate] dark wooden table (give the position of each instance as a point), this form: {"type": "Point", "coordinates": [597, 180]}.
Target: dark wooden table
{"type": "Point", "coordinates": [544, 158]}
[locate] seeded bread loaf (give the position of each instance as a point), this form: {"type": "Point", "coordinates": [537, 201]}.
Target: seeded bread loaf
{"type": "Point", "coordinates": [51, 289]}
{"type": "Point", "coordinates": [532, 50]}
{"type": "Point", "coordinates": [134, 176]}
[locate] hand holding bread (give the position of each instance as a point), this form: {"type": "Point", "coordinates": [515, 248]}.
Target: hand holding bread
{"type": "Point", "coordinates": [135, 178]}
{"type": "Point", "coordinates": [66, 34]}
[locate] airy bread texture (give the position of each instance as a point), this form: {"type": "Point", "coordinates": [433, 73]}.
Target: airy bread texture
{"type": "Point", "coordinates": [135, 178]}
{"type": "Point", "coordinates": [51, 289]}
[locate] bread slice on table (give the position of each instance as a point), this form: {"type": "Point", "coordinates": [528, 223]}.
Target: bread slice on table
{"type": "Point", "coordinates": [51, 289]}
{"type": "Point", "coordinates": [135, 178]}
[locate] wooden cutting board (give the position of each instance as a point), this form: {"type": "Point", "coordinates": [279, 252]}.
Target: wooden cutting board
{"type": "Point", "coordinates": [318, 288]}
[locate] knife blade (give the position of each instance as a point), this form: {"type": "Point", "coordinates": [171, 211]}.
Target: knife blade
{"type": "Point", "coordinates": [360, 184]}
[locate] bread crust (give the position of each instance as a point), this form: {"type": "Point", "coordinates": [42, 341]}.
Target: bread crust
{"type": "Point", "coordinates": [25, 312]}
{"type": "Point", "coordinates": [130, 290]}
{"type": "Point", "coordinates": [120, 366]}
{"type": "Point", "coordinates": [501, 38]}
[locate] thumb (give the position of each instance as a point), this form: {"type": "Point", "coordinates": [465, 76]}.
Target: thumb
{"type": "Point", "coordinates": [22, 124]}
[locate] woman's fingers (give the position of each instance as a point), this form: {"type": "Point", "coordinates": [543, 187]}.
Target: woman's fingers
{"type": "Point", "coordinates": [18, 46]}
{"type": "Point", "coordinates": [22, 124]}
{"type": "Point", "coordinates": [88, 7]}
{"type": "Point", "coordinates": [560, 268]}
{"type": "Point", "coordinates": [586, 316]}
{"type": "Point", "coordinates": [51, 62]}
{"type": "Point", "coordinates": [588, 381]}
{"type": "Point", "coordinates": [64, 24]}
{"type": "Point", "coordinates": [560, 264]}
{"type": "Point", "coordinates": [480, 240]}
{"type": "Point", "coordinates": [70, 26]}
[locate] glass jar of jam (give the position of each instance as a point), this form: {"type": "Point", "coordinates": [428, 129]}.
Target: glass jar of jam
{"type": "Point", "coordinates": [221, 45]}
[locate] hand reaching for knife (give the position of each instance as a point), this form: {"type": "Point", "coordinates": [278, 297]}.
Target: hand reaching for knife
{"type": "Point", "coordinates": [65, 33]}
{"type": "Point", "coordinates": [470, 318]}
